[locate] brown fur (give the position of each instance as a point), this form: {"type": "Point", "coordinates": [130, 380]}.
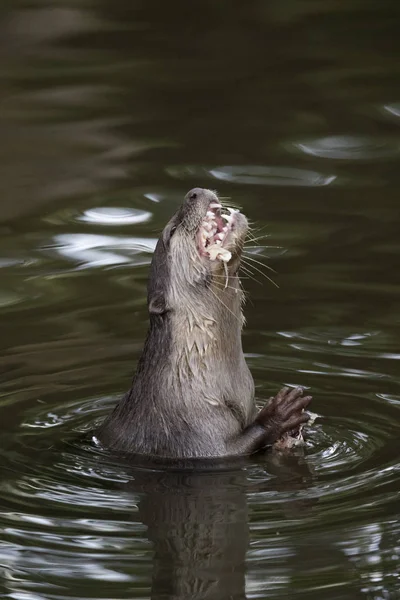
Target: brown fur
{"type": "Point", "coordinates": [193, 394]}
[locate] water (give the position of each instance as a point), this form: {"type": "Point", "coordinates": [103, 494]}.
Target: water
{"type": "Point", "coordinates": [110, 113]}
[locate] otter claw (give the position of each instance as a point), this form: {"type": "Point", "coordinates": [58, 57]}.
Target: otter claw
{"type": "Point", "coordinates": [284, 412]}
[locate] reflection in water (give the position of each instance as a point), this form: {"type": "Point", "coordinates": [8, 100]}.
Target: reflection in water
{"type": "Point", "coordinates": [197, 524]}
{"type": "Point", "coordinates": [272, 176]}
{"type": "Point", "coordinates": [393, 109]}
{"type": "Point", "coordinates": [216, 534]}
{"type": "Point", "coordinates": [254, 175]}
{"type": "Point", "coordinates": [110, 112]}
{"type": "Point", "coordinates": [115, 216]}
{"type": "Point", "coordinates": [91, 250]}
{"type": "Point", "coordinates": [348, 147]}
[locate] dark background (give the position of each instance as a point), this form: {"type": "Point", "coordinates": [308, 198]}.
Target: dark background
{"type": "Point", "coordinates": [109, 113]}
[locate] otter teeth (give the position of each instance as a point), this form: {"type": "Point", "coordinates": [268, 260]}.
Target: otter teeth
{"type": "Point", "coordinates": [215, 251]}
{"type": "Point", "coordinates": [213, 234]}
{"type": "Point", "coordinates": [225, 256]}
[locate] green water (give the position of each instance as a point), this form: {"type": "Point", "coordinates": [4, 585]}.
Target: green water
{"type": "Point", "coordinates": [109, 113]}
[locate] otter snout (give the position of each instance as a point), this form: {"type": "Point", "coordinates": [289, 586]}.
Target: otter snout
{"type": "Point", "coordinates": [218, 229]}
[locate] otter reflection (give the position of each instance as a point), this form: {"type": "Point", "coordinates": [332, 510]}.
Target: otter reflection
{"type": "Point", "coordinates": [197, 522]}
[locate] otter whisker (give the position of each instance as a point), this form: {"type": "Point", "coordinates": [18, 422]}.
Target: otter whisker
{"type": "Point", "coordinates": [254, 239]}
{"type": "Point", "coordinates": [260, 246]}
{"type": "Point", "coordinates": [258, 226]}
{"type": "Point", "coordinates": [263, 274]}
{"type": "Point", "coordinates": [235, 277]}
{"type": "Point", "coordinates": [252, 250]}
{"type": "Point", "coordinates": [260, 263]}
{"type": "Point", "coordinates": [223, 200]}
{"type": "Point", "coordinates": [255, 228]}
{"type": "Point", "coordinates": [231, 205]}
{"type": "Point", "coordinates": [224, 305]}
{"type": "Point", "coordinates": [250, 274]}
{"type": "Point", "coordinates": [221, 286]}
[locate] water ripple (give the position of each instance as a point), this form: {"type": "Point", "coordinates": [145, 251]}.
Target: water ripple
{"type": "Point", "coordinates": [255, 175]}
{"type": "Point", "coordinates": [91, 250]}
{"type": "Point", "coordinates": [56, 480]}
{"type": "Point", "coordinates": [276, 176]}
{"type": "Point", "coordinates": [350, 147]}
{"type": "Point", "coordinates": [392, 109]}
{"type": "Point", "coordinates": [115, 216]}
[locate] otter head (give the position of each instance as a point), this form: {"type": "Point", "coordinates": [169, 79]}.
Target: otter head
{"type": "Point", "coordinates": [195, 305]}
{"type": "Point", "coordinates": [196, 261]}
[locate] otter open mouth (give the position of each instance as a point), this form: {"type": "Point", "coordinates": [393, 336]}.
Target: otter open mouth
{"type": "Point", "coordinates": [214, 232]}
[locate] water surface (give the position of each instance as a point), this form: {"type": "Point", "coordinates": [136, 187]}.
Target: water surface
{"type": "Point", "coordinates": [110, 113]}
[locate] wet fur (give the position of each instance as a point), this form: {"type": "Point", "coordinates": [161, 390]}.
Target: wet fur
{"type": "Point", "coordinates": [192, 389]}
{"type": "Point", "coordinates": [192, 394]}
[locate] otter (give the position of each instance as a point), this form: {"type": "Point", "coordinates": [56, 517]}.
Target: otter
{"type": "Point", "coordinates": [193, 394]}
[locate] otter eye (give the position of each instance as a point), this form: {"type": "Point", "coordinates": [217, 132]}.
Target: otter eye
{"type": "Point", "coordinates": [193, 196]}
{"type": "Point", "coordinates": [173, 229]}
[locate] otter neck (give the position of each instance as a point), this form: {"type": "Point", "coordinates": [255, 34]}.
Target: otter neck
{"type": "Point", "coordinates": [190, 353]}
{"type": "Point", "coordinates": [209, 331]}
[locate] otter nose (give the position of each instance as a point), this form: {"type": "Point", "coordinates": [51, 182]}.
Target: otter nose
{"type": "Point", "coordinates": [195, 193]}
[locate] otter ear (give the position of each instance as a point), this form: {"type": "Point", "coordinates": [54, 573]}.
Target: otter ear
{"type": "Point", "coordinates": [168, 232]}
{"type": "Point", "coordinates": [157, 304]}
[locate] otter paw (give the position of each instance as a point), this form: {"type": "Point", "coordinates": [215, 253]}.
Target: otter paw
{"type": "Point", "coordinates": [284, 413]}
